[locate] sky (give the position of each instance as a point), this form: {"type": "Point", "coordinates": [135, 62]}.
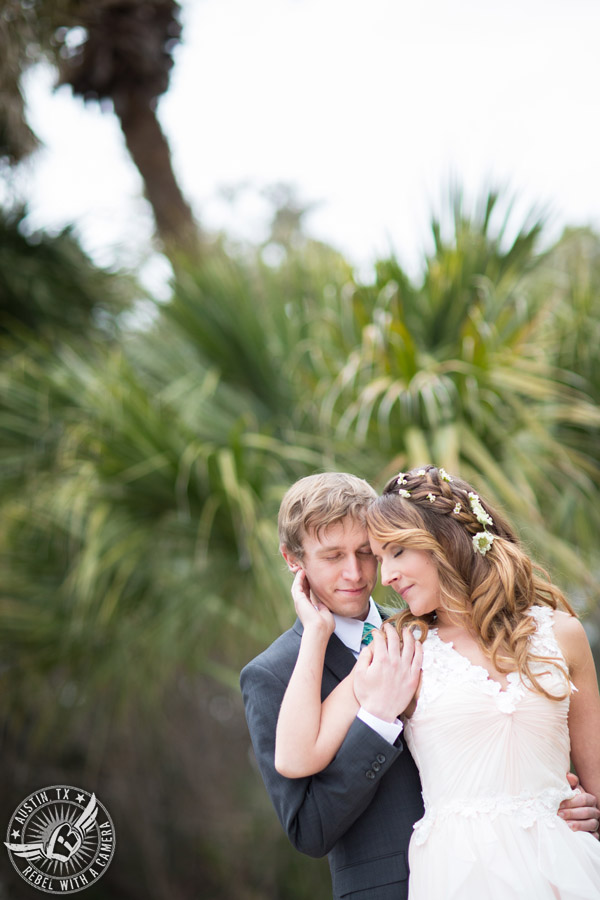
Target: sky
{"type": "Point", "coordinates": [370, 108]}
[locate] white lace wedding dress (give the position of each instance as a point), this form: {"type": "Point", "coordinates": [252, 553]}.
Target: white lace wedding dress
{"type": "Point", "coordinates": [493, 765]}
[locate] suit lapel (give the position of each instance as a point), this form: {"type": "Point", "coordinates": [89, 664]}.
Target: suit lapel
{"type": "Point", "coordinates": [338, 659]}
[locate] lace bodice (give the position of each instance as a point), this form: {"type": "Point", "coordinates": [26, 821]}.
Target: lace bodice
{"type": "Point", "coordinates": [482, 749]}
{"type": "Point", "coordinates": [443, 664]}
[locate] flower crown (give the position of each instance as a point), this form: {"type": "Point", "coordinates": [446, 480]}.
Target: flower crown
{"type": "Point", "coordinates": [483, 540]}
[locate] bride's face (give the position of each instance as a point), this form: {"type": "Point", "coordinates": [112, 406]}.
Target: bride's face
{"type": "Point", "coordinates": [412, 573]}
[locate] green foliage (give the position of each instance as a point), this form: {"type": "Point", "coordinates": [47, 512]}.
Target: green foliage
{"type": "Point", "coordinates": [141, 475]}
{"type": "Point", "coordinates": [49, 288]}
{"type": "Point", "coordinates": [150, 470]}
{"type": "Point", "coordinates": [454, 370]}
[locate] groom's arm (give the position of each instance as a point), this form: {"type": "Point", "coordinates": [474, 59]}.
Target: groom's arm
{"type": "Point", "coordinates": [316, 811]}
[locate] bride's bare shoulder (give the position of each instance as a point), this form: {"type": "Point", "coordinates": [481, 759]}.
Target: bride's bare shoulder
{"type": "Point", "coordinates": [571, 636]}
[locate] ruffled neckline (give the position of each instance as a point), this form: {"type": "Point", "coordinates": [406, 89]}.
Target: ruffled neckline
{"type": "Point", "coordinates": [442, 664]}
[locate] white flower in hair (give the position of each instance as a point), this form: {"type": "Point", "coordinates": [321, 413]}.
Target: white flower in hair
{"type": "Point", "coordinates": [421, 472]}
{"type": "Point", "coordinates": [478, 511]}
{"type": "Point", "coordinates": [431, 498]}
{"type": "Point", "coordinates": [401, 478]}
{"type": "Point", "coordinates": [403, 493]}
{"type": "Point", "coordinates": [444, 475]}
{"type": "Point", "coordinates": [482, 542]}
{"type": "Point", "coordinates": [457, 509]}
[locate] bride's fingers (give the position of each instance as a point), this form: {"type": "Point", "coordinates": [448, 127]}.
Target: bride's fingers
{"type": "Point", "coordinates": [365, 658]}
{"type": "Point", "coordinates": [417, 660]}
{"type": "Point", "coordinates": [303, 601]}
{"type": "Point", "coordinates": [392, 640]}
{"type": "Point", "coordinates": [301, 588]}
{"type": "Point", "coordinates": [318, 604]}
{"type": "Point", "coordinates": [299, 582]}
{"type": "Point", "coordinates": [408, 644]}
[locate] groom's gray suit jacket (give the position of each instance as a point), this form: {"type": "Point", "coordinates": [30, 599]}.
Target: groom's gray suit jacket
{"type": "Point", "coordinates": [360, 810]}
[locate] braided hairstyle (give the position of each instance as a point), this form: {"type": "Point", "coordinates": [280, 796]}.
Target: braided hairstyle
{"type": "Point", "coordinates": [487, 581]}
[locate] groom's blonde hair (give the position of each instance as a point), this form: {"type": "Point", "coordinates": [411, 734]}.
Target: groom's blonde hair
{"type": "Point", "coordinates": [317, 502]}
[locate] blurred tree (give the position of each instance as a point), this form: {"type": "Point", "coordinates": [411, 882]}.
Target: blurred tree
{"type": "Point", "coordinates": [572, 275]}
{"type": "Point", "coordinates": [115, 51]}
{"type": "Point", "coordinates": [139, 547]}
{"type": "Point", "coordinates": [49, 287]}
{"type": "Point", "coordinates": [287, 228]}
{"type": "Point", "coordinates": [16, 137]}
{"type": "Point", "coordinates": [569, 282]}
{"type": "Point", "coordinates": [456, 369]}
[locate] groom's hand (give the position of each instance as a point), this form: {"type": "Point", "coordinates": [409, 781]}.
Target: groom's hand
{"type": "Point", "coordinates": [386, 677]}
{"type": "Point", "coordinates": [581, 812]}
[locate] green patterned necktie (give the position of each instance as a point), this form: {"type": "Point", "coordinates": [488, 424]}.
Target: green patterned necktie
{"type": "Point", "coordinates": [367, 635]}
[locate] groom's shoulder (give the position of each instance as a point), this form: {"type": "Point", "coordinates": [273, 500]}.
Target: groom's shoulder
{"type": "Point", "coordinates": [279, 656]}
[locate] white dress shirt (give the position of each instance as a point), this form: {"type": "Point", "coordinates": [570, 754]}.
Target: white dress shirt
{"type": "Point", "coordinates": [350, 633]}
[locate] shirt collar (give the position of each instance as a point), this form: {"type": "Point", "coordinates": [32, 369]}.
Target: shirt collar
{"type": "Point", "coordinates": [350, 631]}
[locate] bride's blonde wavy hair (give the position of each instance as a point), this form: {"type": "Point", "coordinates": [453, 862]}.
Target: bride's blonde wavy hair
{"type": "Point", "coordinates": [487, 594]}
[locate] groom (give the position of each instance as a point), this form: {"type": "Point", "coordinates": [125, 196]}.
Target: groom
{"type": "Point", "coordinates": [361, 809]}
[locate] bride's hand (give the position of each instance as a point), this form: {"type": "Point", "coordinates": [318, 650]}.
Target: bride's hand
{"type": "Point", "coordinates": [313, 614]}
{"type": "Point", "coordinates": [386, 676]}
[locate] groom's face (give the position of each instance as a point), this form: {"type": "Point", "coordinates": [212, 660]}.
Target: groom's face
{"type": "Point", "coordinates": [340, 567]}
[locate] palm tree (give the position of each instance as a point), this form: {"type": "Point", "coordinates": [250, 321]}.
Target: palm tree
{"type": "Point", "coordinates": [49, 288]}
{"type": "Point", "coordinates": [453, 370]}
{"type": "Point", "coordinates": [16, 138]}
{"type": "Point", "coordinates": [151, 481]}
{"type": "Point", "coordinates": [570, 282]}
{"type": "Point", "coordinates": [172, 447]}
{"type": "Point", "coordinates": [123, 56]}
{"type": "Point", "coordinates": [572, 275]}
{"type": "Point", "coordinates": [140, 546]}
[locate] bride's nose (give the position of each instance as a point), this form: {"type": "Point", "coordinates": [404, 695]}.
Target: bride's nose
{"type": "Point", "coordinates": [387, 572]}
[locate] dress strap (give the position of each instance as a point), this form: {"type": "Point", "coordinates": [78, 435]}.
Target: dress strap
{"type": "Point", "coordinates": [543, 641]}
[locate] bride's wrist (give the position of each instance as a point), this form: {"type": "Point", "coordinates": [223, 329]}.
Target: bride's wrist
{"type": "Point", "coordinates": [317, 631]}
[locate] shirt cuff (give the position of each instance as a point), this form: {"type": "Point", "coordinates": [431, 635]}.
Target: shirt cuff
{"type": "Point", "coordinates": [389, 731]}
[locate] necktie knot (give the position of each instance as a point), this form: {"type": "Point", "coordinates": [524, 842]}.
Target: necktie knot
{"type": "Point", "coordinates": [367, 635]}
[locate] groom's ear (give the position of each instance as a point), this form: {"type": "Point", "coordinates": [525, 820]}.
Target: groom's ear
{"type": "Point", "coordinates": [293, 563]}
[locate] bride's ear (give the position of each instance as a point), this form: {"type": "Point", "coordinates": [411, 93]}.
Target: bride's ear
{"type": "Point", "coordinates": [293, 563]}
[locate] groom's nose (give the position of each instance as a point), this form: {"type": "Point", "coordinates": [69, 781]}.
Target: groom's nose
{"type": "Point", "coordinates": [352, 568]}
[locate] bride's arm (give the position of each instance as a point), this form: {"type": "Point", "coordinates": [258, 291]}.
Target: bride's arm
{"type": "Point", "coordinates": [310, 733]}
{"type": "Point", "coordinates": [584, 710]}
{"type": "Point", "coordinates": [384, 681]}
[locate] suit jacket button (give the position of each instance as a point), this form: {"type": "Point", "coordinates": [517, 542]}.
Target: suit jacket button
{"type": "Point", "coordinates": [375, 766]}
{"type": "Point", "coordinates": [380, 758]}
{"type": "Point", "coordinates": [370, 774]}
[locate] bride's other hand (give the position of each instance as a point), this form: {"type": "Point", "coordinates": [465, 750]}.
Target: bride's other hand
{"type": "Point", "coordinates": [313, 614]}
